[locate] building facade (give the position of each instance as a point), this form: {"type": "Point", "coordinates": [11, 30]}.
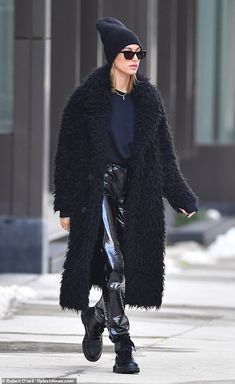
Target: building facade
{"type": "Point", "coordinates": [48, 46]}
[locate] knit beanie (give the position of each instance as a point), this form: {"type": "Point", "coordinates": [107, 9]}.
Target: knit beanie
{"type": "Point", "coordinates": [114, 36]}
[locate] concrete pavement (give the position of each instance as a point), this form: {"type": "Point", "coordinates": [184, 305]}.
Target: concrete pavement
{"type": "Point", "coordinates": [190, 340]}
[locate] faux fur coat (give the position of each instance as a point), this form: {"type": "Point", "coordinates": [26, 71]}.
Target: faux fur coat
{"type": "Point", "coordinates": [153, 173]}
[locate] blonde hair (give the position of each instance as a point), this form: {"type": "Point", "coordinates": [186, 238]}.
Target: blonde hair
{"type": "Point", "coordinates": [132, 81]}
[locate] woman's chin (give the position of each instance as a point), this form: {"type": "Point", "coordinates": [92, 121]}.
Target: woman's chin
{"type": "Point", "coordinates": [131, 71]}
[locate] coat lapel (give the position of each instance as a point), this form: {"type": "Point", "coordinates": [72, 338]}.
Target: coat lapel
{"type": "Point", "coordinates": [145, 114]}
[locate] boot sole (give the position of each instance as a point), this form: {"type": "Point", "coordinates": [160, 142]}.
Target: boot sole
{"type": "Point", "coordinates": [125, 370]}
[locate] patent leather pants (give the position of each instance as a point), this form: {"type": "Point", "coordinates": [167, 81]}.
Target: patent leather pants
{"type": "Point", "coordinates": [111, 304]}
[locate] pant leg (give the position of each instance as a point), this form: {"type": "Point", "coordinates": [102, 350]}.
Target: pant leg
{"type": "Point", "coordinates": [99, 311]}
{"type": "Point", "coordinates": [99, 306]}
{"type": "Point", "coordinates": [120, 226]}
{"type": "Point", "coordinates": [114, 289]}
{"type": "Point", "coordinates": [121, 213]}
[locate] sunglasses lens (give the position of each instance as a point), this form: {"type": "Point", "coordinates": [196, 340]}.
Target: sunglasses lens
{"type": "Point", "coordinates": [130, 54]}
{"type": "Point", "coordinates": [141, 54]}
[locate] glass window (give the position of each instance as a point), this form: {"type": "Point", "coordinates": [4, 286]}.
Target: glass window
{"type": "Point", "coordinates": [215, 72]}
{"type": "Point", "coordinates": [6, 65]}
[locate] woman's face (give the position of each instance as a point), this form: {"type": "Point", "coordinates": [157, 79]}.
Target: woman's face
{"type": "Point", "coordinates": [129, 67]}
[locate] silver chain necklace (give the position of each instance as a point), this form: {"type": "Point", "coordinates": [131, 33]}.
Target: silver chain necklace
{"type": "Point", "coordinates": [123, 96]}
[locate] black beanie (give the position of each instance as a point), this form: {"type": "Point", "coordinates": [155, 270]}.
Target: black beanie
{"type": "Point", "coordinates": [114, 36]}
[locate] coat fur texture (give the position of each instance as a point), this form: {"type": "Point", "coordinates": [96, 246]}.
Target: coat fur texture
{"type": "Point", "coordinates": [153, 173]}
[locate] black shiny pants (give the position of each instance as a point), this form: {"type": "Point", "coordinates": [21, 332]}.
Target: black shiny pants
{"type": "Point", "coordinates": [111, 305]}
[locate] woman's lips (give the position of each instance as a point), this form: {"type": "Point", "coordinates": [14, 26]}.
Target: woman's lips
{"type": "Point", "coordinates": [133, 66]}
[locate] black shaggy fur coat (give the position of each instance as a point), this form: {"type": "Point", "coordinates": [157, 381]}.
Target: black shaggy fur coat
{"type": "Point", "coordinates": [153, 173]}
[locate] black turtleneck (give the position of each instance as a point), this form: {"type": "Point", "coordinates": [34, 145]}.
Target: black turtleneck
{"type": "Point", "coordinates": [121, 133]}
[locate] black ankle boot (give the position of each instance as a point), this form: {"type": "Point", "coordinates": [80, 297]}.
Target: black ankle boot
{"type": "Point", "coordinates": [124, 361]}
{"type": "Point", "coordinates": [92, 344]}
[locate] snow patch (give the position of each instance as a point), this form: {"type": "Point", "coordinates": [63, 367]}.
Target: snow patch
{"type": "Point", "coordinates": [10, 296]}
{"type": "Point", "coordinates": [224, 245]}
{"type": "Point", "coordinates": [192, 253]}
{"type": "Point", "coordinates": [213, 214]}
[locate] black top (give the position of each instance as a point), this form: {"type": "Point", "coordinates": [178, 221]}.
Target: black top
{"type": "Point", "coordinates": [121, 133]}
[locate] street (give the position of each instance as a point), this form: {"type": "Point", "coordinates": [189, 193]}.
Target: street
{"type": "Point", "coordinates": [191, 339]}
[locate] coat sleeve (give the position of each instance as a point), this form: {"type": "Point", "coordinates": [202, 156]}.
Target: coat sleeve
{"type": "Point", "coordinates": [175, 187]}
{"type": "Point", "coordinates": [67, 148]}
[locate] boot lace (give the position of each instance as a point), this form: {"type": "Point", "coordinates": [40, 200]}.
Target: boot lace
{"type": "Point", "coordinates": [126, 347]}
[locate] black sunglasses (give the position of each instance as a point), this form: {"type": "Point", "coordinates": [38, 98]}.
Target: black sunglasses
{"type": "Point", "coordinates": [130, 54]}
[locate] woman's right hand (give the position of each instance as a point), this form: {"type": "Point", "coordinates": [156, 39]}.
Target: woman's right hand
{"type": "Point", "coordinates": [65, 223]}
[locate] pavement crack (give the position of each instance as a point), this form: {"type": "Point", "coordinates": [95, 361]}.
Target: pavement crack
{"type": "Point", "coordinates": [191, 329]}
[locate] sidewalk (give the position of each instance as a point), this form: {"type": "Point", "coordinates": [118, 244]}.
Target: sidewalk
{"type": "Point", "coordinates": [190, 340]}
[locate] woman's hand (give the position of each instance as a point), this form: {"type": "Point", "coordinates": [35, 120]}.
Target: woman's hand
{"type": "Point", "coordinates": [186, 213]}
{"type": "Point", "coordinates": [65, 223]}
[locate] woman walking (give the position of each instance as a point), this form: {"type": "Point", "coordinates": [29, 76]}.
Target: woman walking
{"type": "Point", "coordinates": [115, 162]}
